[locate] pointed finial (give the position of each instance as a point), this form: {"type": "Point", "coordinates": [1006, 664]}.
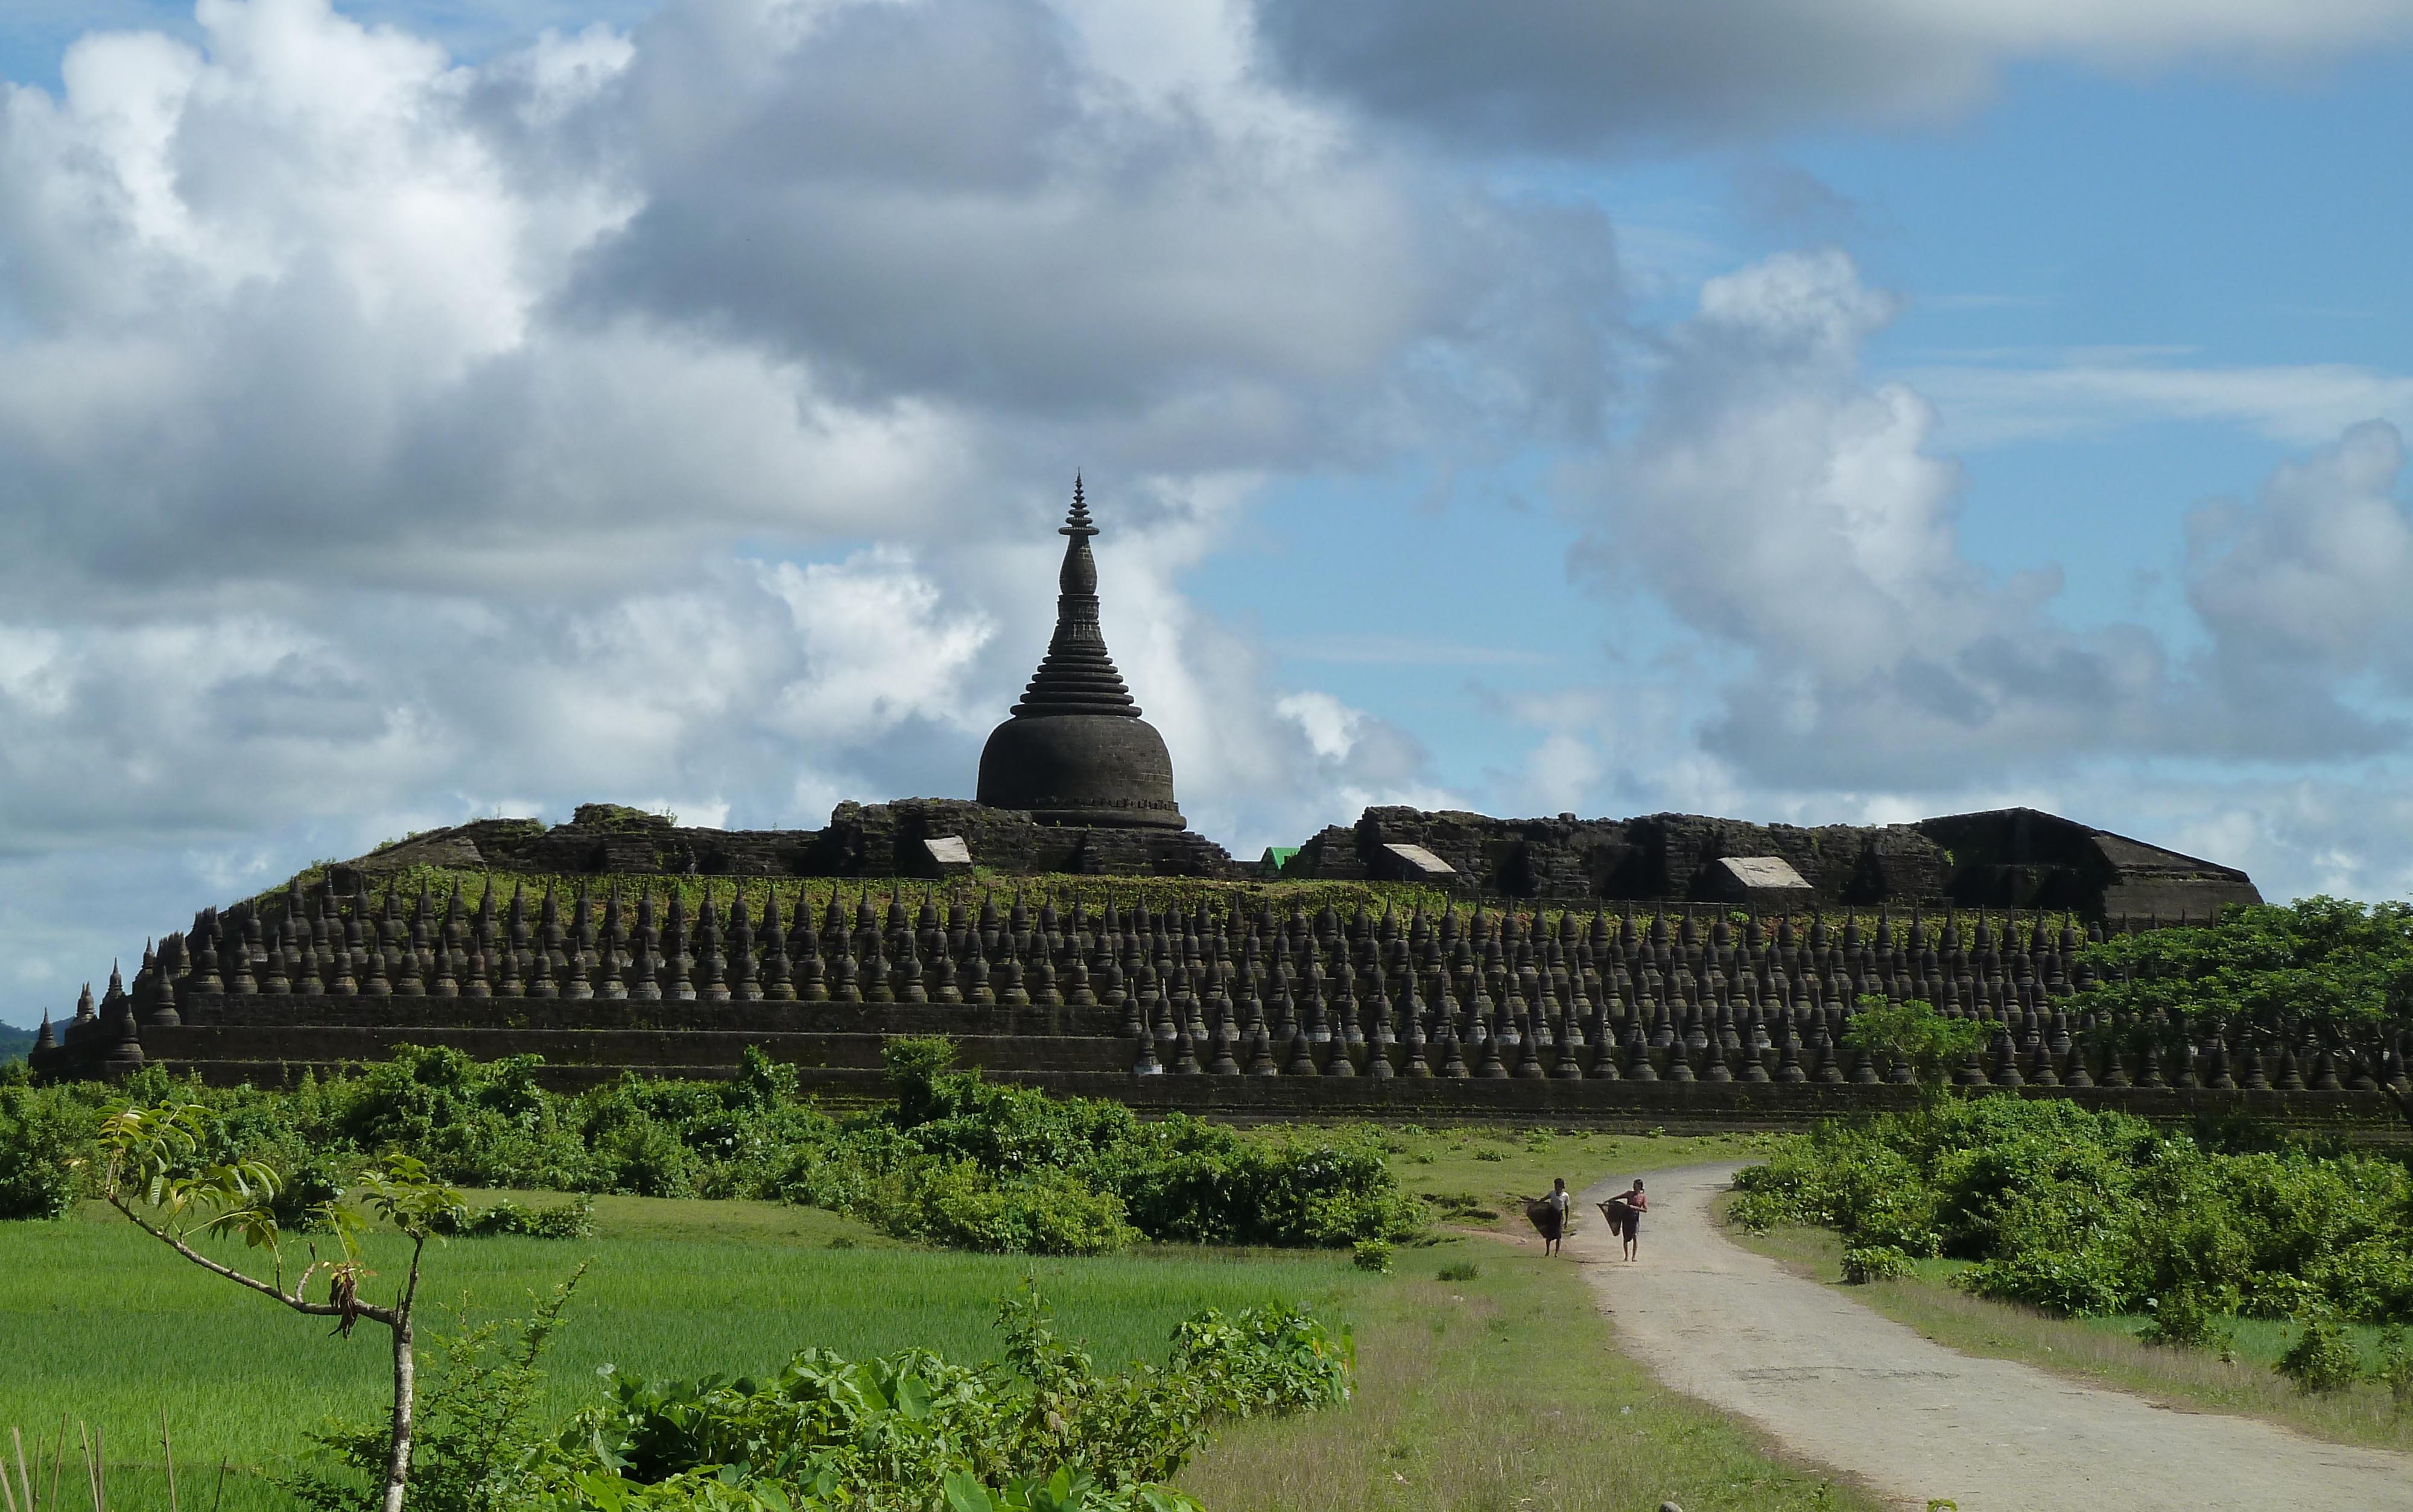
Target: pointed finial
{"type": "Point", "coordinates": [1076, 520]}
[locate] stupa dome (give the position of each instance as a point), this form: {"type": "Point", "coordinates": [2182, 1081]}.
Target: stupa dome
{"type": "Point", "coordinates": [1075, 751]}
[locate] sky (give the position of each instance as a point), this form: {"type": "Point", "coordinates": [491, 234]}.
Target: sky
{"type": "Point", "coordinates": [416, 412]}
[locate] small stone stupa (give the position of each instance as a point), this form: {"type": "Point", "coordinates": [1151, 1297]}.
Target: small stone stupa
{"type": "Point", "coordinates": [1075, 751]}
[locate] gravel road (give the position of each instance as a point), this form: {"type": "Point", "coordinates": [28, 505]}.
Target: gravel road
{"type": "Point", "coordinates": [1837, 1384]}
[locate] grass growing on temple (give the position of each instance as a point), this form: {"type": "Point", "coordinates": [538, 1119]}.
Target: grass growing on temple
{"type": "Point", "coordinates": [1181, 895]}
{"type": "Point", "coordinates": [1158, 895]}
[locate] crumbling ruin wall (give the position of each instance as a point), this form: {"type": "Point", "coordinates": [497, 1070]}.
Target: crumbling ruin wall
{"type": "Point", "coordinates": [861, 840]}
{"type": "Point", "coordinates": [1662, 856]}
{"type": "Point", "coordinates": [2006, 858]}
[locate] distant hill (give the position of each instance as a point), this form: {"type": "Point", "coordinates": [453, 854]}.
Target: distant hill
{"type": "Point", "coordinates": [14, 1042]}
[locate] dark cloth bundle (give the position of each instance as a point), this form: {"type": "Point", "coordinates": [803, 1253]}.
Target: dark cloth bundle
{"type": "Point", "coordinates": [1545, 1216]}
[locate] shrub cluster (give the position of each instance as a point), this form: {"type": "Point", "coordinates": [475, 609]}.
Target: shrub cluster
{"type": "Point", "coordinates": [42, 1138]}
{"type": "Point", "coordinates": [2085, 1212]}
{"type": "Point", "coordinates": [1044, 1432]}
{"type": "Point", "coordinates": [572, 1219]}
{"type": "Point", "coordinates": [954, 1161]}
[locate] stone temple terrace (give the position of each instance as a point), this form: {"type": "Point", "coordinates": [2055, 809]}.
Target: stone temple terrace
{"type": "Point", "coordinates": [1067, 928]}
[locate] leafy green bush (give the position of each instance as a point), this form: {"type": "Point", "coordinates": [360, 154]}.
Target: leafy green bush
{"type": "Point", "coordinates": [479, 1434]}
{"type": "Point", "coordinates": [2395, 1369]}
{"type": "Point", "coordinates": [1263, 1361]}
{"type": "Point", "coordinates": [2089, 1212]}
{"type": "Point", "coordinates": [572, 1219]}
{"type": "Point", "coordinates": [1373, 1254]}
{"type": "Point", "coordinates": [1178, 1179]}
{"type": "Point", "coordinates": [1044, 1432]}
{"type": "Point", "coordinates": [1874, 1262]}
{"type": "Point", "coordinates": [1048, 1432]}
{"type": "Point", "coordinates": [1913, 1034]}
{"type": "Point", "coordinates": [963, 1205]}
{"type": "Point", "coordinates": [43, 1142]}
{"type": "Point", "coordinates": [2322, 1359]}
{"type": "Point", "coordinates": [2181, 1319]}
{"type": "Point", "coordinates": [956, 1160]}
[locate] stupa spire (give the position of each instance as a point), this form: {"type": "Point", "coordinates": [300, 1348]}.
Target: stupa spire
{"type": "Point", "coordinates": [1076, 519]}
{"type": "Point", "coordinates": [1074, 750]}
{"type": "Point", "coordinates": [1078, 676]}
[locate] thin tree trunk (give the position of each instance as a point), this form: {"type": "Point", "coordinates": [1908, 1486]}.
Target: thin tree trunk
{"type": "Point", "coordinates": [397, 1468]}
{"type": "Point", "coordinates": [168, 1451]}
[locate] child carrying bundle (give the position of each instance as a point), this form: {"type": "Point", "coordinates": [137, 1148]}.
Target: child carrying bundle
{"type": "Point", "coordinates": [1548, 1215]}
{"type": "Point", "coordinates": [1624, 1214]}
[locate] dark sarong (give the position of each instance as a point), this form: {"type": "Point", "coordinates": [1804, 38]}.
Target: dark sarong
{"type": "Point", "coordinates": [1546, 1218]}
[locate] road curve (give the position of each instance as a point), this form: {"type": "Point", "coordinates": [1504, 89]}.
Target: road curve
{"type": "Point", "coordinates": [1836, 1384]}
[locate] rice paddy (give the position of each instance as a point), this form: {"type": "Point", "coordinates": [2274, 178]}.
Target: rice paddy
{"type": "Point", "coordinates": [1497, 1388]}
{"type": "Point", "coordinates": [101, 1323]}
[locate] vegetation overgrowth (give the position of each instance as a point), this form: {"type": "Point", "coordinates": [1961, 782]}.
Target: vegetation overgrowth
{"type": "Point", "coordinates": [1183, 894]}
{"type": "Point", "coordinates": [1158, 895]}
{"type": "Point", "coordinates": [2320, 971]}
{"type": "Point", "coordinates": [2089, 1213]}
{"type": "Point", "coordinates": [2106, 1349]}
{"type": "Point", "coordinates": [1044, 1430]}
{"type": "Point", "coordinates": [954, 1160]}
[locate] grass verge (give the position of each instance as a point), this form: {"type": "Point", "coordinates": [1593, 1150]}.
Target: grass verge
{"type": "Point", "coordinates": [1503, 1390]}
{"type": "Point", "coordinates": [2102, 1351]}
{"type": "Point", "coordinates": [1470, 1177]}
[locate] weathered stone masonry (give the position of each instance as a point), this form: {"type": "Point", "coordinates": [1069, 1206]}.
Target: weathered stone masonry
{"type": "Point", "coordinates": [1600, 1005]}
{"type": "Point", "coordinates": [1599, 1012]}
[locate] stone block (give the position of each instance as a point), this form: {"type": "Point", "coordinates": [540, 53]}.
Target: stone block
{"type": "Point", "coordinates": [1767, 881]}
{"type": "Point", "coordinates": [948, 856]}
{"type": "Point", "coordinates": [1414, 863]}
{"type": "Point", "coordinates": [1762, 871]}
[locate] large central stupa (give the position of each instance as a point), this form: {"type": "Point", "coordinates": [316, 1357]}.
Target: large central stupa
{"type": "Point", "coordinates": [1075, 751]}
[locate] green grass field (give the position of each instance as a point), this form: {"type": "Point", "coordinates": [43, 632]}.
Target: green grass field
{"type": "Point", "coordinates": [1486, 1387]}
{"type": "Point", "coordinates": [1478, 1173]}
{"type": "Point", "coordinates": [101, 1323]}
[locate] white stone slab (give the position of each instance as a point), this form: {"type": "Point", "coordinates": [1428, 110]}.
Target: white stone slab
{"type": "Point", "coordinates": [1763, 871]}
{"type": "Point", "coordinates": [1422, 863]}
{"type": "Point", "coordinates": [949, 850]}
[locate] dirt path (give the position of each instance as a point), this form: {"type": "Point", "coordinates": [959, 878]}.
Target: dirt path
{"type": "Point", "coordinates": [1837, 1384]}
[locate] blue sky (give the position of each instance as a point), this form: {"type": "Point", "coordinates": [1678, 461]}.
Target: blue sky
{"type": "Point", "coordinates": [411, 412]}
{"type": "Point", "coordinates": [2178, 222]}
